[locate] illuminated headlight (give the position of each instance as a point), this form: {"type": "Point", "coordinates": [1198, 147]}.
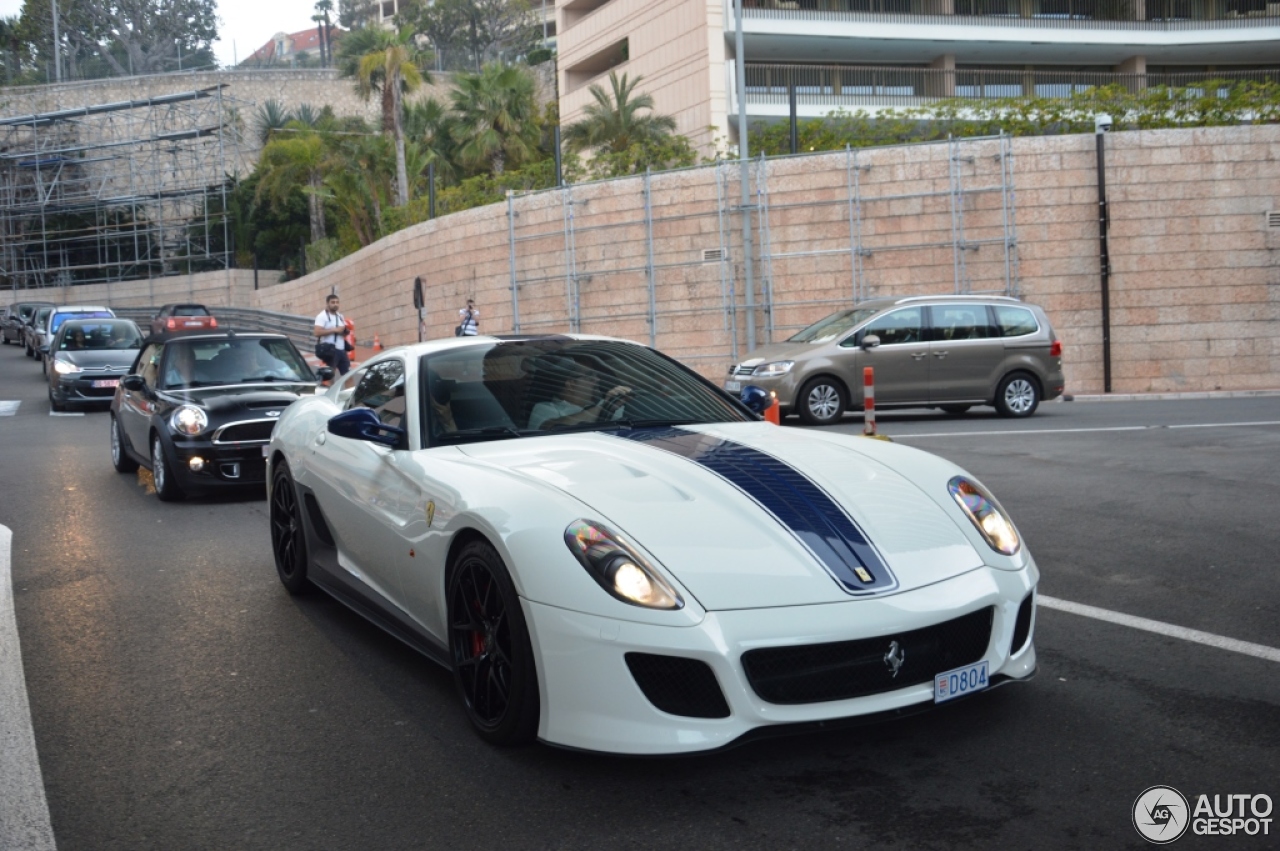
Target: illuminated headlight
{"type": "Point", "coordinates": [773, 370]}
{"type": "Point", "coordinates": [619, 569]}
{"type": "Point", "coordinates": [188, 420]}
{"type": "Point", "coordinates": [64, 368]}
{"type": "Point", "coordinates": [985, 514]}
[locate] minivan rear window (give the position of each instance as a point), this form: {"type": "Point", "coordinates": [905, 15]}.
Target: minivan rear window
{"type": "Point", "coordinates": [1015, 321]}
{"type": "Point", "coordinates": [63, 317]}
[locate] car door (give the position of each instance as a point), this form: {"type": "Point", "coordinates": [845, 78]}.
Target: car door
{"type": "Point", "coordinates": [966, 350]}
{"type": "Point", "coordinates": [901, 361]}
{"type": "Point", "coordinates": [365, 497]}
{"type": "Point", "coordinates": [134, 412]}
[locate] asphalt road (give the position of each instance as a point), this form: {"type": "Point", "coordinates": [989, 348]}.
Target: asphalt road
{"type": "Point", "coordinates": [182, 700]}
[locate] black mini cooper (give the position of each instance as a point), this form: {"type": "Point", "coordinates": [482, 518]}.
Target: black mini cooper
{"type": "Point", "coordinates": [198, 410]}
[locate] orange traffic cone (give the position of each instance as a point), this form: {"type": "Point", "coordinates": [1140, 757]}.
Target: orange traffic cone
{"type": "Point", "coordinates": [377, 344]}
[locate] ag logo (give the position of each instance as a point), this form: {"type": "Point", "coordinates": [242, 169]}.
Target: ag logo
{"type": "Point", "coordinates": [1160, 814]}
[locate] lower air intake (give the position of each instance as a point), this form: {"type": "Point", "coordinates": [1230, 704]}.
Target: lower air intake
{"type": "Point", "coordinates": [678, 686]}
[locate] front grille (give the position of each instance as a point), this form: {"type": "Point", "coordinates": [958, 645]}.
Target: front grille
{"type": "Point", "coordinates": [678, 686]}
{"type": "Point", "coordinates": [1022, 626]}
{"type": "Point", "coordinates": [255, 431]}
{"type": "Point", "coordinates": [845, 669]}
{"type": "Point", "coordinates": [739, 369]}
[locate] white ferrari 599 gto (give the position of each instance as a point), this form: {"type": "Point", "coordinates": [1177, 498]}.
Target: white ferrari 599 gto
{"type": "Point", "coordinates": [610, 553]}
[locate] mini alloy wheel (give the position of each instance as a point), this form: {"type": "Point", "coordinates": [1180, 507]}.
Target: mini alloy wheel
{"type": "Point", "coordinates": [166, 488]}
{"type": "Point", "coordinates": [119, 457]}
{"type": "Point", "coordinates": [288, 537]}
{"type": "Point", "coordinates": [490, 650]}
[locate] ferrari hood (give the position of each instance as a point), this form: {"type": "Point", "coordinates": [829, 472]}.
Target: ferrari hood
{"type": "Point", "coordinates": [750, 515]}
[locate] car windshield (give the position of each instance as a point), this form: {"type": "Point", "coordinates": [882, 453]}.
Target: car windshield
{"type": "Point", "coordinates": [830, 327]}
{"type": "Point", "coordinates": [113, 334]}
{"type": "Point", "coordinates": [245, 360]}
{"type": "Point", "coordinates": [534, 387]}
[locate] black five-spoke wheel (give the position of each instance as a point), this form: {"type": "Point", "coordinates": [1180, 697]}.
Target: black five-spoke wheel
{"type": "Point", "coordinates": [490, 649]}
{"type": "Point", "coordinates": [288, 541]}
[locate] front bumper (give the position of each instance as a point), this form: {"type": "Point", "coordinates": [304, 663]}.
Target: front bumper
{"type": "Point", "coordinates": [221, 465]}
{"type": "Point", "coordinates": [79, 388]}
{"type": "Point", "coordinates": [591, 701]}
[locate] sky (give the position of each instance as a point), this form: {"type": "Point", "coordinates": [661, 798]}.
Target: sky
{"type": "Point", "coordinates": [246, 24]}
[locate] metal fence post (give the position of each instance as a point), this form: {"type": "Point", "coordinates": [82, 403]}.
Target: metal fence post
{"type": "Point", "coordinates": [511, 242]}
{"type": "Point", "coordinates": [650, 272]}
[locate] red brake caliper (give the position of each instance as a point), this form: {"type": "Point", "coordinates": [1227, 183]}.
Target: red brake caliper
{"type": "Point", "coordinates": [477, 637]}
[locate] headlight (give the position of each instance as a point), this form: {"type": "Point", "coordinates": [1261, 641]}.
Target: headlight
{"type": "Point", "coordinates": [64, 368]}
{"type": "Point", "coordinates": [772, 370]}
{"type": "Point", "coordinates": [985, 514]}
{"type": "Point", "coordinates": [188, 420]}
{"type": "Point", "coordinates": [618, 568]}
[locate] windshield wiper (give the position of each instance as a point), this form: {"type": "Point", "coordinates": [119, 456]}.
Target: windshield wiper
{"type": "Point", "coordinates": [629, 422]}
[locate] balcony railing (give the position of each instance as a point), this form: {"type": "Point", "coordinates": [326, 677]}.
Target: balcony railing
{"type": "Point", "coordinates": [1068, 14]}
{"type": "Point", "coordinates": [835, 86]}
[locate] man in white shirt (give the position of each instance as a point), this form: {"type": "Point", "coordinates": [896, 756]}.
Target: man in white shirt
{"type": "Point", "coordinates": [469, 320]}
{"type": "Point", "coordinates": [330, 333]}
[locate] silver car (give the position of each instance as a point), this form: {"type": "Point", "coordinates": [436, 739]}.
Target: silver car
{"type": "Point", "coordinates": [948, 352]}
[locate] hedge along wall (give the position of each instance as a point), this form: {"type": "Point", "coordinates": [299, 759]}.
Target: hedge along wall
{"type": "Point", "coordinates": [1195, 285]}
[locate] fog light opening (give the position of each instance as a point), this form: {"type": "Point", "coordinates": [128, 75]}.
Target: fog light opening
{"type": "Point", "coordinates": [196, 464]}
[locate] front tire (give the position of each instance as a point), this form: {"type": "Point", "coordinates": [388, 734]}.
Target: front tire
{"type": "Point", "coordinates": [490, 650]}
{"type": "Point", "coordinates": [288, 535]}
{"type": "Point", "coordinates": [822, 401]}
{"type": "Point", "coordinates": [54, 404]}
{"type": "Point", "coordinates": [119, 457]}
{"type": "Point", "coordinates": [1017, 396]}
{"type": "Point", "coordinates": [167, 488]}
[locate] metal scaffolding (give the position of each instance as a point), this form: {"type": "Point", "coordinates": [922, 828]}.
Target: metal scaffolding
{"type": "Point", "coordinates": [117, 191]}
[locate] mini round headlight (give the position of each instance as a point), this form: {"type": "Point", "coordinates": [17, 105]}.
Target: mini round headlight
{"type": "Point", "coordinates": [189, 420]}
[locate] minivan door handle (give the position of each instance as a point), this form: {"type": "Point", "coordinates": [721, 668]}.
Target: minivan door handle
{"type": "Point", "coordinates": [940, 354]}
{"type": "Point", "coordinates": [919, 355]}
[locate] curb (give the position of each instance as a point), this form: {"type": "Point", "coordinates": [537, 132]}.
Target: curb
{"type": "Point", "coordinates": [1164, 397]}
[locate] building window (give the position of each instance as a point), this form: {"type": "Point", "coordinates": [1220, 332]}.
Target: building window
{"type": "Point", "coordinates": [598, 63]}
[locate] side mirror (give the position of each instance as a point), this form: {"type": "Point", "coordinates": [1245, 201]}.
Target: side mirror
{"type": "Point", "coordinates": [44, 350]}
{"type": "Point", "coordinates": [132, 382]}
{"type": "Point", "coordinates": [870, 341]}
{"type": "Point", "coordinates": [324, 373]}
{"type": "Point", "coordinates": [363, 424]}
{"type": "Point", "coordinates": [756, 398]}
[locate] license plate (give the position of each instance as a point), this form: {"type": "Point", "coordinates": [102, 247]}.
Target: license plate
{"type": "Point", "coordinates": [106, 382]}
{"type": "Point", "coordinates": [733, 386]}
{"type": "Point", "coordinates": [959, 682]}
{"type": "Point", "coordinates": [195, 324]}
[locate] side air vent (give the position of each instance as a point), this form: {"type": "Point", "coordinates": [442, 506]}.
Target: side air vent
{"type": "Point", "coordinates": [678, 686]}
{"type": "Point", "coordinates": [316, 516]}
{"type": "Point", "coordinates": [713, 255]}
{"type": "Point", "coordinates": [1273, 219]}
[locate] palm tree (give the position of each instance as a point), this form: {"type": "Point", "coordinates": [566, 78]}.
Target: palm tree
{"type": "Point", "coordinates": [291, 160]}
{"type": "Point", "coordinates": [613, 124]}
{"type": "Point", "coordinates": [429, 124]}
{"type": "Point", "coordinates": [392, 65]}
{"type": "Point", "coordinates": [271, 116]}
{"type": "Point", "coordinates": [495, 117]}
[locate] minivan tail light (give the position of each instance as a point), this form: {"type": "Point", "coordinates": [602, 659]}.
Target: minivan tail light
{"type": "Point", "coordinates": [1055, 351]}
{"type": "Point", "coordinates": [171, 324]}
{"type": "Point", "coordinates": [213, 323]}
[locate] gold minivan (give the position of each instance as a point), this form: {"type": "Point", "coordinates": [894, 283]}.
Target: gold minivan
{"type": "Point", "coordinates": [948, 352]}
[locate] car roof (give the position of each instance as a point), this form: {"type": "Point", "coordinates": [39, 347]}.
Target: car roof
{"type": "Point", "coordinates": [229, 334]}
{"type": "Point", "coordinates": [950, 298]}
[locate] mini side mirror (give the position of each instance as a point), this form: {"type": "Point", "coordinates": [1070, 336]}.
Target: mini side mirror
{"type": "Point", "coordinates": [870, 341]}
{"type": "Point", "coordinates": [324, 373]}
{"type": "Point", "coordinates": [132, 382]}
{"type": "Point", "coordinates": [363, 424]}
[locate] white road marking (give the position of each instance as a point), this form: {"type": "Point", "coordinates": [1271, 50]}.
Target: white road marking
{"type": "Point", "coordinates": [1261, 651]}
{"type": "Point", "coordinates": [1084, 430]}
{"type": "Point", "coordinates": [24, 812]}
{"type": "Point", "coordinates": [8, 409]}
{"type": "Point", "coordinates": [66, 413]}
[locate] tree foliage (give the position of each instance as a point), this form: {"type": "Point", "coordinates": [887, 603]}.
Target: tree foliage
{"type": "Point", "coordinates": [624, 136]}
{"type": "Point", "coordinates": [472, 33]}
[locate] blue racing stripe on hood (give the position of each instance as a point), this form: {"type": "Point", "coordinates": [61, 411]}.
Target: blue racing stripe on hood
{"type": "Point", "coordinates": [794, 500]}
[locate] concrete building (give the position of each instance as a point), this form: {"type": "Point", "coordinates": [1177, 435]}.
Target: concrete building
{"type": "Point", "coordinates": [873, 54]}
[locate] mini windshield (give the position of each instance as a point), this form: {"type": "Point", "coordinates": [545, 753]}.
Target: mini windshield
{"type": "Point", "coordinates": [533, 387]}
{"type": "Point", "coordinates": [108, 334]}
{"type": "Point", "coordinates": [831, 327]}
{"type": "Point", "coordinates": [242, 360]}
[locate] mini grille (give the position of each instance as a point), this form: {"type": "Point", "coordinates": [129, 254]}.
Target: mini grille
{"type": "Point", "coordinates": [845, 669]}
{"type": "Point", "coordinates": [678, 686]}
{"type": "Point", "coordinates": [259, 432]}
{"type": "Point", "coordinates": [1022, 626]}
